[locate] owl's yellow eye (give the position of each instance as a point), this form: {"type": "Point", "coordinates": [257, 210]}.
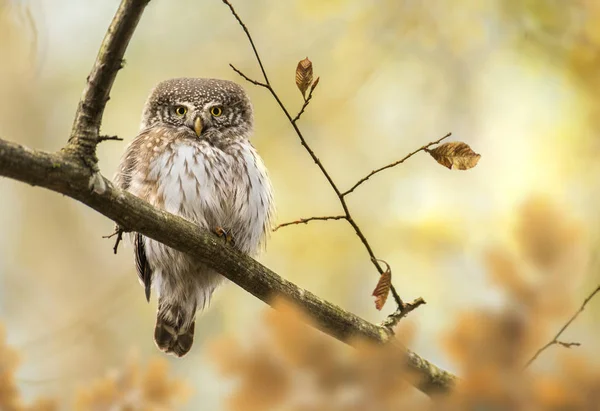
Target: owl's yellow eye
{"type": "Point", "coordinates": [216, 111]}
{"type": "Point", "coordinates": [180, 111]}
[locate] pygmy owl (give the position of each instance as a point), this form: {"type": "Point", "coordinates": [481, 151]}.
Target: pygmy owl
{"type": "Point", "coordinates": [192, 157]}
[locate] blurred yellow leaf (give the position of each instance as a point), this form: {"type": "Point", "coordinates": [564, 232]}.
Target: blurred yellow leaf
{"type": "Point", "coordinates": [455, 155]}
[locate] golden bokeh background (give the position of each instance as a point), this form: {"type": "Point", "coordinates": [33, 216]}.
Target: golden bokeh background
{"type": "Point", "coordinates": [517, 80]}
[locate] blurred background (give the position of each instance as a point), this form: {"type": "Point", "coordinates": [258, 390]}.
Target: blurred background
{"type": "Point", "coordinates": [517, 80]}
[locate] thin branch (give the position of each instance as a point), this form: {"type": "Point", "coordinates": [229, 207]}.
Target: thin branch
{"type": "Point", "coordinates": [307, 220]}
{"type": "Point", "coordinates": [568, 344]}
{"type": "Point", "coordinates": [86, 126]}
{"type": "Point", "coordinates": [394, 164]}
{"type": "Point", "coordinates": [264, 73]}
{"type": "Point", "coordinates": [306, 102]}
{"type": "Point", "coordinates": [69, 176]}
{"type": "Point", "coordinates": [293, 122]}
{"type": "Point", "coordinates": [555, 340]}
{"type": "Point", "coordinates": [119, 234]}
{"type": "Point", "coordinates": [257, 83]}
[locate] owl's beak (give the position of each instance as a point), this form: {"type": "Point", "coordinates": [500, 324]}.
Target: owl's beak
{"type": "Point", "coordinates": [198, 126]}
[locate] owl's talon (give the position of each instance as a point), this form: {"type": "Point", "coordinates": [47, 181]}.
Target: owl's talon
{"type": "Point", "coordinates": [226, 234]}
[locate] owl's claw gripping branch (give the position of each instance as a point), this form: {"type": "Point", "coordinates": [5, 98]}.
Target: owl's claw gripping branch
{"type": "Point", "coordinates": [226, 234]}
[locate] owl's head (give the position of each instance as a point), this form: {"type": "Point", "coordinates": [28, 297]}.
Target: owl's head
{"type": "Point", "coordinates": [207, 108]}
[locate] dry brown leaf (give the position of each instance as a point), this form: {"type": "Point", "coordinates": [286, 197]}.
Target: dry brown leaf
{"type": "Point", "coordinates": [455, 155]}
{"type": "Point", "coordinates": [314, 84]}
{"type": "Point", "coordinates": [304, 76]}
{"type": "Point", "coordinates": [382, 290]}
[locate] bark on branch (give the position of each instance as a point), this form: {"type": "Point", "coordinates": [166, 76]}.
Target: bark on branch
{"type": "Point", "coordinates": [68, 176]}
{"type": "Point", "coordinates": [86, 127]}
{"type": "Point", "coordinates": [74, 172]}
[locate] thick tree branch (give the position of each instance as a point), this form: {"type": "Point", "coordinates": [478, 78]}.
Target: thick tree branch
{"type": "Point", "coordinates": [86, 127]}
{"type": "Point", "coordinates": [69, 176]}
{"type": "Point", "coordinates": [555, 340]}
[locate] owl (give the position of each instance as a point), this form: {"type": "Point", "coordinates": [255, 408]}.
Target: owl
{"type": "Point", "coordinates": [193, 158]}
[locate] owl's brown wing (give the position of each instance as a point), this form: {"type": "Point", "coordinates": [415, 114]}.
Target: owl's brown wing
{"type": "Point", "coordinates": [133, 160]}
{"type": "Point", "coordinates": [122, 179]}
{"type": "Point", "coordinates": [141, 263]}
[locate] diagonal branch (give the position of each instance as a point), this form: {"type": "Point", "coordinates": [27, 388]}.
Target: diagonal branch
{"type": "Point", "coordinates": [555, 340]}
{"type": "Point", "coordinates": [294, 122]}
{"type": "Point", "coordinates": [319, 164]}
{"type": "Point", "coordinates": [394, 164]}
{"type": "Point", "coordinates": [69, 176]}
{"type": "Point", "coordinates": [86, 127]}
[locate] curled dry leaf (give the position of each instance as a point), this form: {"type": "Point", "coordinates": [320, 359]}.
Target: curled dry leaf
{"type": "Point", "coordinates": [455, 155]}
{"type": "Point", "coordinates": [314, 84]}
{"type": "Point", "coordinates": [304, 75]}
{"type": "Point", "coordinates": [382, 290]}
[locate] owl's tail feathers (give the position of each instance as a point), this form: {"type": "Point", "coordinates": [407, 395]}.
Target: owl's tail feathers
{"type": "Point", "coordinates": [173, 333]}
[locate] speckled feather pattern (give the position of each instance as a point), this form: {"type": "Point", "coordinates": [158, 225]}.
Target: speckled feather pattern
{"type": "Point", "coordinates": [215, 180]}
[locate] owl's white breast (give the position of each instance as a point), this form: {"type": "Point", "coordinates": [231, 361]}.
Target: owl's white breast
{"type": "Point", "coordinates": [212, 187]}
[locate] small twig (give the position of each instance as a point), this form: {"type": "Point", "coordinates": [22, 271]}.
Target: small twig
{"type": "Point", "coordinates": [312, 154]}
{"type": "Point", "coordinates": [117, 241]}
{"type": "Point", "coordinates": [306, 101]}
{"type": "Point", "coordinates": [257, 83]}
{"type": "Point", "coordinates": [307, 220]}
{"type": "Point", "coordinates": [393, 319]}
{"type": "Point", "coordinates": [568, 344]}
{"type": "Point", "coordinates": [555, 340]}
{"type": "Point", "coordinates": [395, 163]}
{"type": "Point", "coordinates": [107, 138]}
{"type": "Point", "coordinates": [119, 233]}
